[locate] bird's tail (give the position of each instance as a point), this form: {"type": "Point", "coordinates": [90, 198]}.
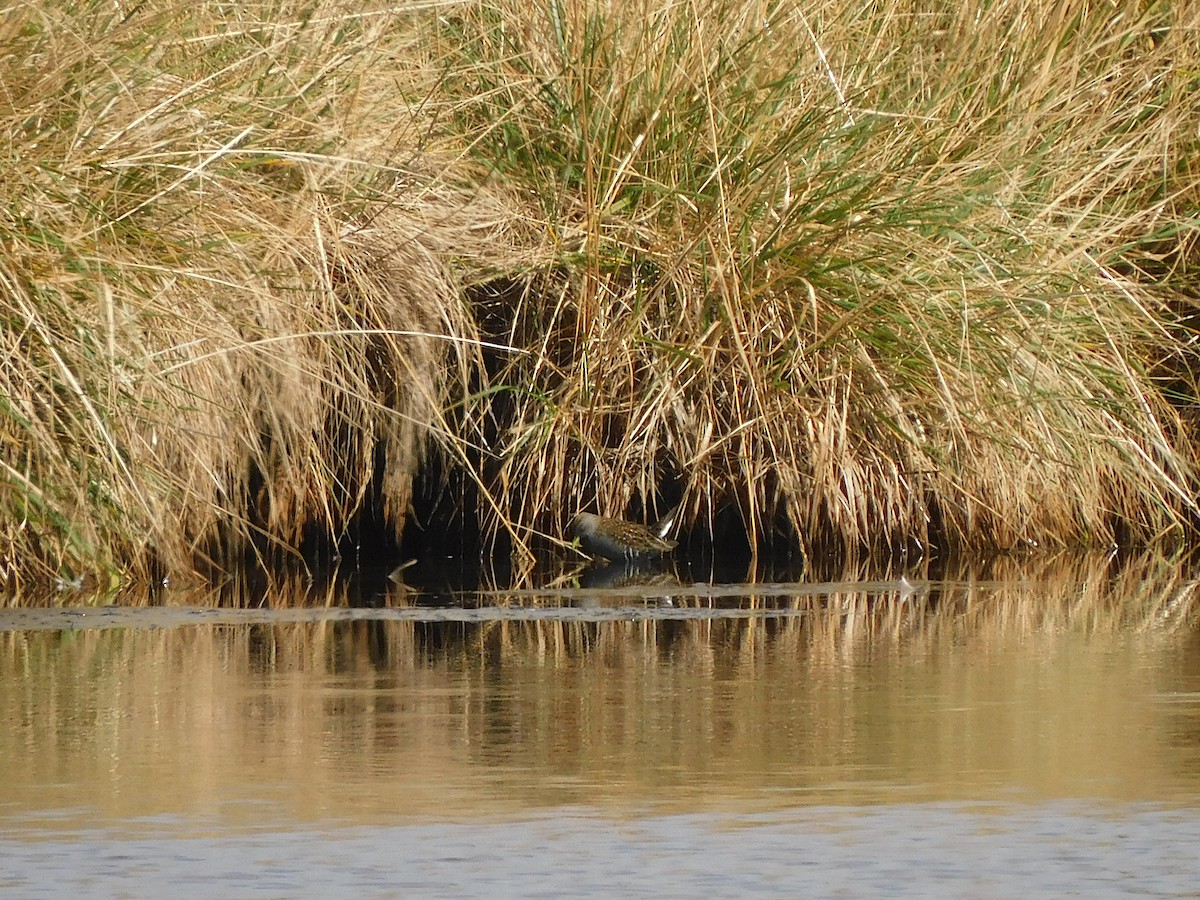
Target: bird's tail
{"type": "Point", "coordinates": [666, 523]}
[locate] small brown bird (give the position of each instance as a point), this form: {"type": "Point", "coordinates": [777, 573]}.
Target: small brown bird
{"type": "Point", "coordinates": [618, 539]}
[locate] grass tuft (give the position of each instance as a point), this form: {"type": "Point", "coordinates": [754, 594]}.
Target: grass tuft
{"type": "Point", "coordinates": [851, 279]}
{"type": "Point", "coordinates": [864, 278]}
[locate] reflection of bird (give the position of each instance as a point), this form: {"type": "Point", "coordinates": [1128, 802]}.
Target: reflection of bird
{"type": "Point", "coordinates": [618, 539]}
{"type": "Point", "coordinates": [643, 577]}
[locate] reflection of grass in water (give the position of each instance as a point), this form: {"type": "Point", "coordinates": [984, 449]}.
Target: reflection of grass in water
{"type": "Point", "coordinates": [977, 685]}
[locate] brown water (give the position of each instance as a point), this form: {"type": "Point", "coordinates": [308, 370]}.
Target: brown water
{"type": "Point", "coordinates": [968, 739]}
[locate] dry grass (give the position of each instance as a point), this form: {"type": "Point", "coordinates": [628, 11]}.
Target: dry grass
{"type": "Point", "coordinates": [868, 277]}
{"type": "Point", "coordinates": [222, 305]}
{"type": "Point", "coordinates": [853, 277]}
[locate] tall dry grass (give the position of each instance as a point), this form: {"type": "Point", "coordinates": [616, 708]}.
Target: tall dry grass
{"type": "Point", "coordinates": [849, 277]}
{"type": "Point", "coordinates": [869, 276]}
{"type": "Point", "coordinates": [224, 306]}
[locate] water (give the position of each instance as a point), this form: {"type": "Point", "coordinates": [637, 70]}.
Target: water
{"type": "Point", "coordinates": [979, 739]}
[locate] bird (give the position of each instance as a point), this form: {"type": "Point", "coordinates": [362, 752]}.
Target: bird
{"type": "Point", "coordinates": [618, 539]}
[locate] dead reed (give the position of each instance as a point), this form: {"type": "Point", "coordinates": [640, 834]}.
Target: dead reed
{"type": "Point", "coordinates": [848, 278]}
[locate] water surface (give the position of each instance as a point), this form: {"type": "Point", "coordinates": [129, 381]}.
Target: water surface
{"type": "Point", "coordinates": [986, 739]}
